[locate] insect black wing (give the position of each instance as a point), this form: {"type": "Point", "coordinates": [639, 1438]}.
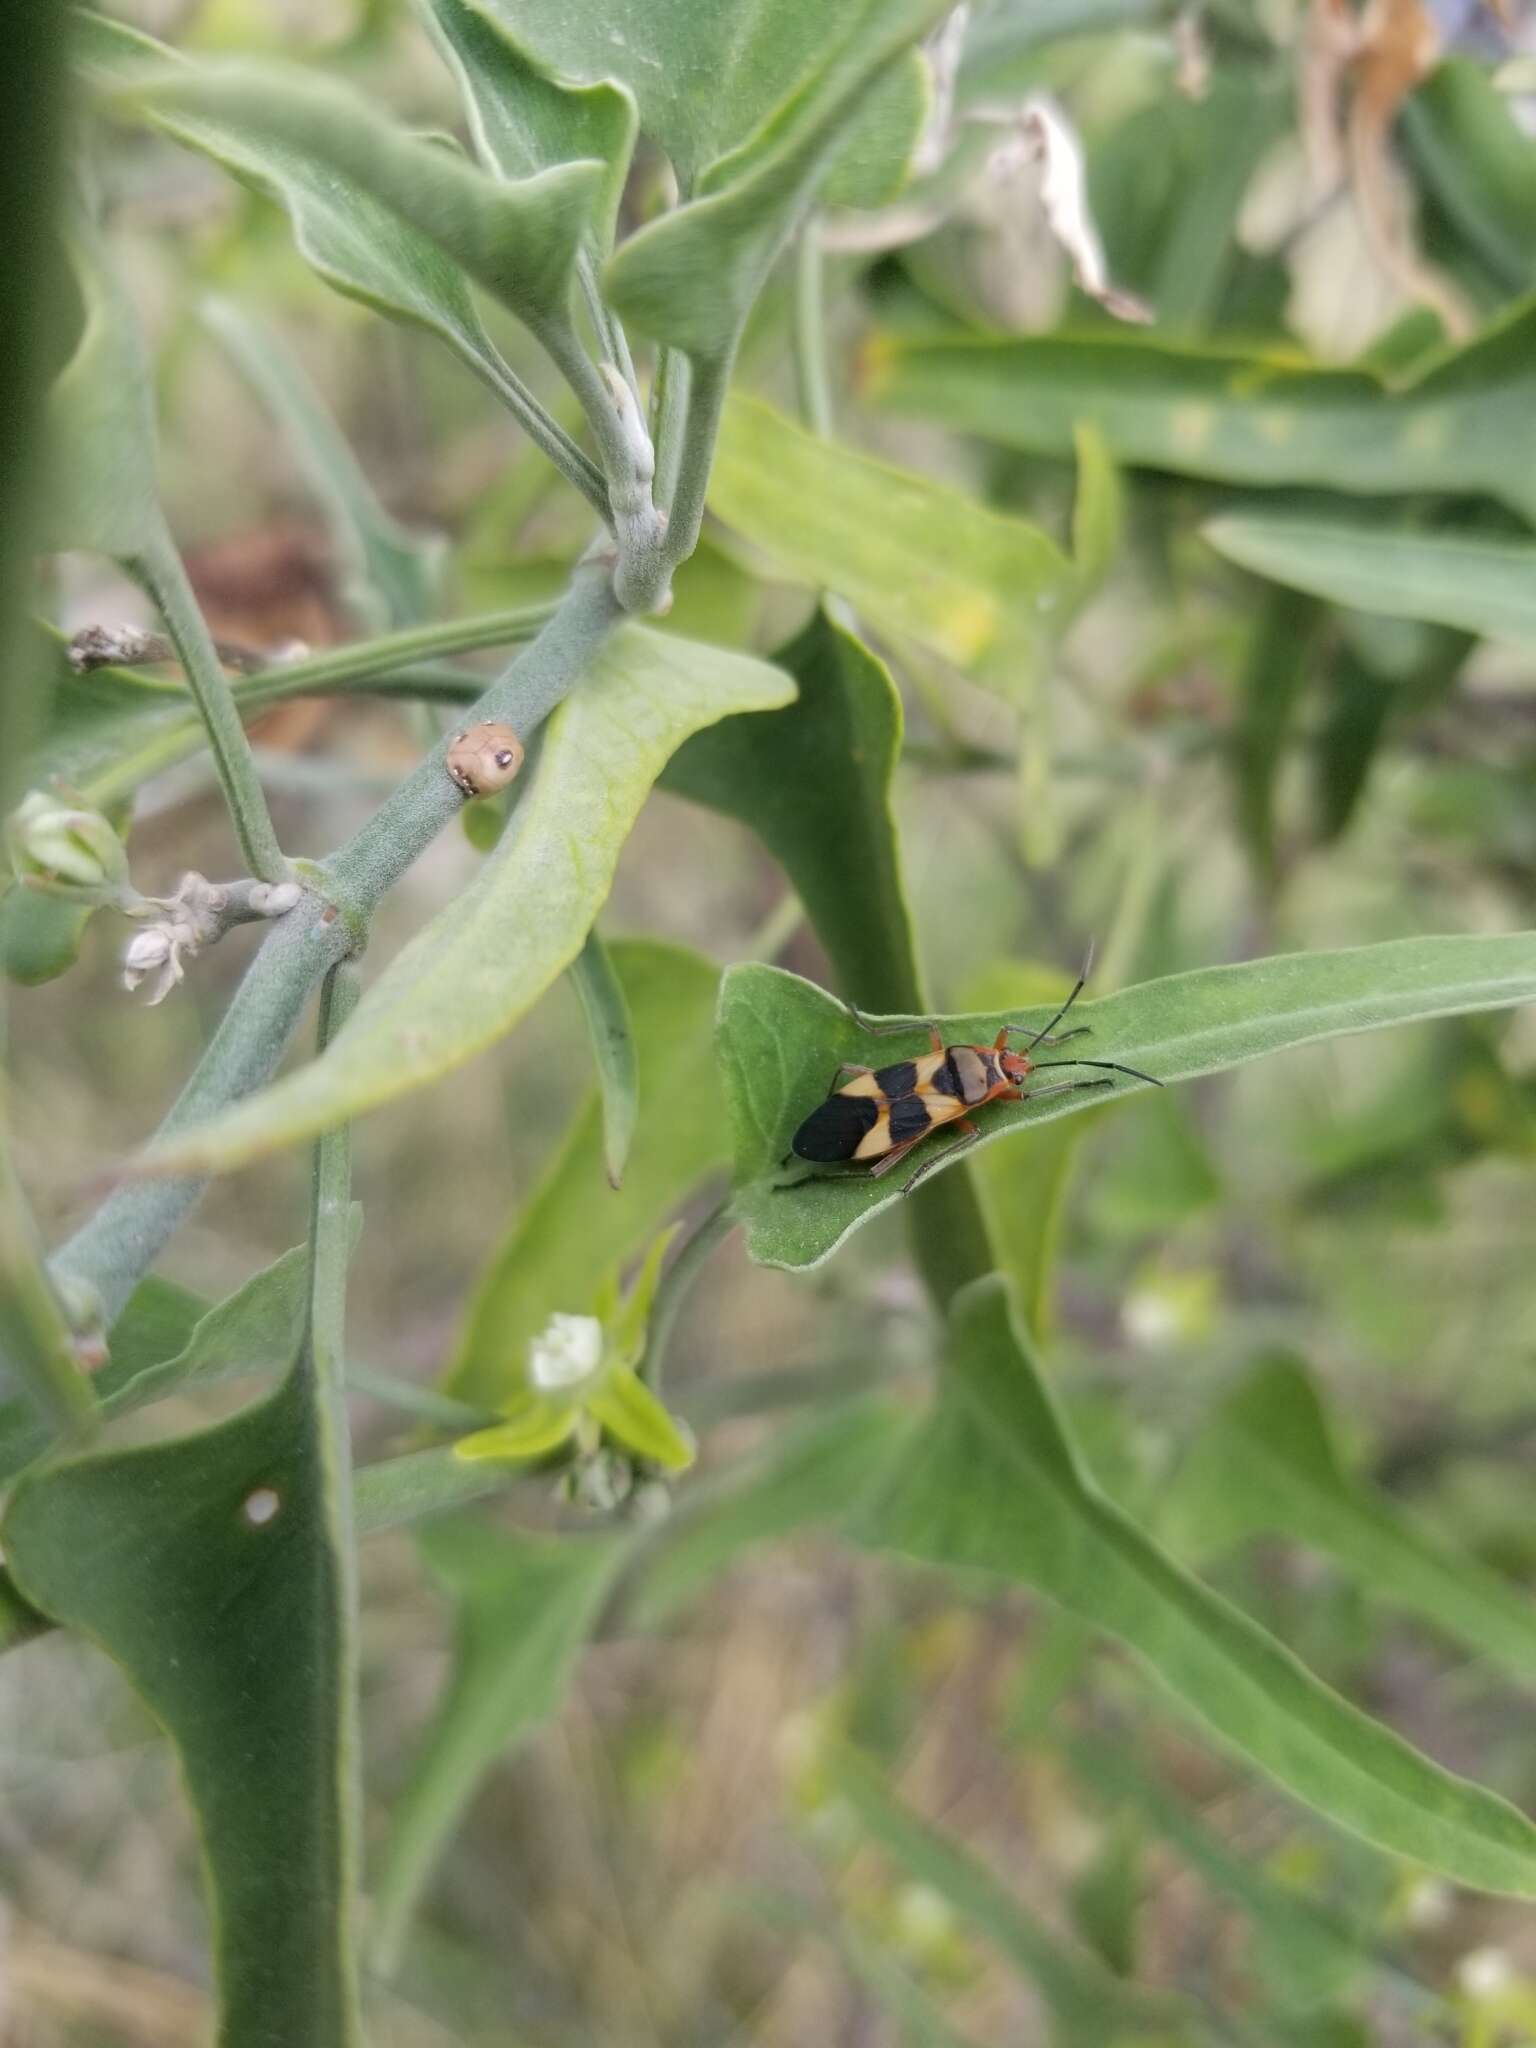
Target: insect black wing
{"type": "Point", "coordinates": [833, 1129]}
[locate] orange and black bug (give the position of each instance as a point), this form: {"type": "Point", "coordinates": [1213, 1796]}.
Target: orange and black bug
{"type": "Point", "coordinates": [875, 1119]}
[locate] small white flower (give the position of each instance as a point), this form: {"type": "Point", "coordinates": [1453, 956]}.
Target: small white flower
{"type": "Point", "coordinates": [1430, 1903]}
{"type": "Point", "coordinates": [1484, 1973]}
{"type": "Point", "coordinates": [567, 1351]}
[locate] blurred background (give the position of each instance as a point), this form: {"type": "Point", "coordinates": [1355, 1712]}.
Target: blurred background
{"type": "Point", "coordinates": [664, 1865]}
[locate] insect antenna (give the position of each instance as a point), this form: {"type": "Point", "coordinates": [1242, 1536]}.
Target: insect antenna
{"type": "Point", "coordinates": [1113, 1066]}
{"type": "Point", "coordinates": [1077, 989]}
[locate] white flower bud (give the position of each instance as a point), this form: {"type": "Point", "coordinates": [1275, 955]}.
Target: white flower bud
{"type": "Point", "coordinates": [155, 951]}
{"type": "Point", "coordinates": [567, 1351]}
{"type": "Point", "coordinates": [50, 841]}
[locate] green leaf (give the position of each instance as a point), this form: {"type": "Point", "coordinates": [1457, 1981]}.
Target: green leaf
{"type": "Point", "coordinates": [483, 962]}
{"type": "Point", "coordinates": [1475, 158]}
{"type": "Point", "coordinates": [813, 781]}
{"type": "Point", "coordinates": [1465, 423]}
{"type": "Point", "coordinates": [1321, 1955]}
{"type": "Point", "coordinates": [525, 1605]}
{"type": "Point", "coordinates": [390, 576]}
{"type": "Point", "coordinates": [524, 120]}
{"type": "Point", "coordinates": [704, 78]}
{"type": "Point", "coordinates": [40, 935]}
{"type": "Point", "coordinates": [1275, 671]}
{"type": "Point", "coordinates": [385, 216]}
{"type": "Point", "coordinates": [1024, 1189]}
{"type": "Point", "coordinates": [574, 1231]}
{"type": "Point", "coordinates": [1091, 2005]}
{"type": "Point", "coordinates": [690, 278]}
{"type": "Point", "coordinates": [613, 1050]}
{"type": "Point", "coordinates": [1266, 1464]}
{"type": "Point", "coordinates": [224, 1617]}
{"type": "Point", "coordinates": [996, 1485]}
{"type": "Point", "coordinates": [632, 1416]}
{"type": "Point", "coordinates": [166, 1339]}
{"type": "Point", "coordinates": [875, 156]}
{"type": "Point", "coordinates": [101, 488]}
{"type": "Point", "coordinates": [37, 1345]}
{"type": "Point", "coordinates": [1098, 511]}
{"type": "Point", "coordinates": [982, 589]}
{"type": "Point", "coordinates": [779, 1038]}
{"type": "Point", "coordinates": [19, 1622]}
{"type": "Point", "coordinates": [349, 236]}
{"type": "Point", "coordinates": [532, 1425]}
{"type": "Point", "coordinates": [814, 1475]}
{"type": "Point", "coordinates": [1166, 185]}
{"type": "Point", "coordinates": [1482, 586]}
{"type": "Point", "coordinates": [33, 336]}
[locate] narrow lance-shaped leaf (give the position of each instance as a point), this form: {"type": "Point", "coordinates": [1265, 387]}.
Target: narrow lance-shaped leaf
{"type": "Point", "coordinates": [102, 491]}
{"type": "Point", "coordinates": [573, 1232]}
{"type": "Point", "coordinates": [482, 963]}
{"type": "Point", "coordinates": [387, 216]}
{"type": "Point", "coordinates": [984, 590]}
{"type": "Point", "coordinates": [1483, 586]}
{"type": "Point", "coordinates": [1323, 1953]}
{"type": "Point", "coordinates": [613, 1050]}
{"type": "Point", "coordinates": [525, 1605]}
{"type": "Point", "coordinates": [995, 1485]}
{"type": "Point", "coordinates": [1089, 2003]}
{"type": "Point", "coordinates": [779, 1038]}
{"type": "Point", "coordinates": [390, 575]}
{"type": "Point", "coordinates": [1466, 423]}
{"type": "Point", "coordinates": [202, 1568]}
{"type": "Point", "coordinates": [1266, 1464]}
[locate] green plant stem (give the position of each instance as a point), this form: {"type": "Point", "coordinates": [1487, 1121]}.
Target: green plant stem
{"type": "Point", "coordinates": [707, 386]}
{"type": "Point", "coordinates": [606, 324]}
{"type": "Point", "coordinates": [362, 659]}
{"type": "Point", "coordinates": [543, 430]}
{"type": "Point", "coordinates": [641, 574]}
{"type": "Point", "coordinates": [117, 1245]}
{"type": "Point", "coordinates": [676, 1286]}
{"type": "Point", "coordinates": [322, 1374]}
{"type": "Point", "coordinates": [160, 570]}
{"type": "Point", "coordinates": [812, 378]}
{"type": "Point", "coordinates": [669, 413]}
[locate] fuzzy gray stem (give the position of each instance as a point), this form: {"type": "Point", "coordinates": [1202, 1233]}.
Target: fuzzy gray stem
{"type": "Point", "coordinates": [159, 568]}
{"type": "Point", "coordinates": [125, 1236]}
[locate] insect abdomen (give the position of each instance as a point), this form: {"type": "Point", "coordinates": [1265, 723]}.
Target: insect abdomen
{"type": "Point", "coordinates": [833, 1129]}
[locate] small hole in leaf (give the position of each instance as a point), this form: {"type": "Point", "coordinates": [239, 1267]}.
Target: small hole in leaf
{"type": "Point", "coordinates": [261, 1506]}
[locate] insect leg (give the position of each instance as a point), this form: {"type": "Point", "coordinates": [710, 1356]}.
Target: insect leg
{"type": "Point", "coordinates": [1060, 1088]}
{"type": "Point", "coordinates": [897, 1030]}
{"type": "Point", "coordinates": [895, 1156]}
{"type": "Point", "coordinates": [942, 1158]}
{"type": "Point", "coordinates": [846, 1067]}
{"type": "Point", "coordinates": [1023, 1031]}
